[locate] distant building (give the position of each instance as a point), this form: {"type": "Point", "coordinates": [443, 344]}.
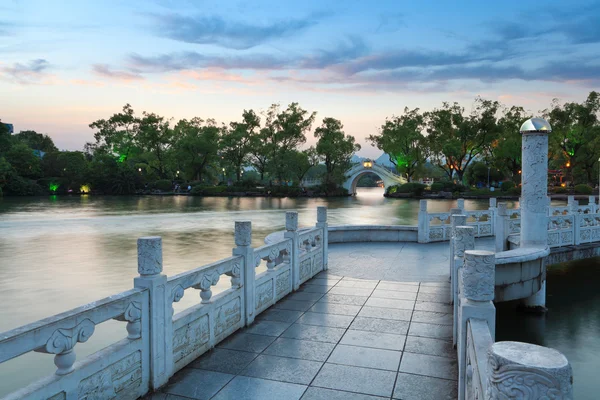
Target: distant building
{"type": "Point", "coordinates": [11, 128]}
{"type": "Point", "coordinates": [39, 153]}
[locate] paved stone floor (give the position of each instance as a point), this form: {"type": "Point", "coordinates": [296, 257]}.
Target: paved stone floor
{"type": "Point", "coordinates": [344, 335]}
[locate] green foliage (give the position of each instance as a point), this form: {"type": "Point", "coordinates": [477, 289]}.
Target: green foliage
{"type": "Point", "coordinates": [19, 186]}
{"type": "Point", "coordinates": [560, 190]}
{"type": "Point", "coordinates": [447, 186]}
{"type": "Point", "coordinates": [477, 172]}
{"type": "Point", "coordinates": [507, 185]}
{"type": "Point", "coordinates": [334, 149]}
{"type": "Point", "coordinates": [414, 188]}
{"type": "Point", "coordinates": [515, 191]}
{"type": "Point", "coordinates": [164, 185]}
{"type": "Point", "coordinates": [25, 163]}
{"type": "Point", "coordinates": [237, 141]}
{"type": "Point", "coordinates": [583, 189]}
{"type": "Point", "coordinates": [196, 146]}
{"type": "Point", "coordinates": [36, 141]}
{"type": "Point", "coordinates": [437, 187]}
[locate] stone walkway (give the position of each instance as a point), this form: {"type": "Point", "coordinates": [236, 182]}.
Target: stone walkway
{"type": "Point", "coordinates": [336, 338]}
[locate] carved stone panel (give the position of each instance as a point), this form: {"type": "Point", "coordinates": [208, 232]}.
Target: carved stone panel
{"type": "Point", "coordinates": [228, 316]}
{"type": "Point", "coordinates": [190, 337]}
{"type": "Point", "coordinates": [485, 229]}
{"type": "Point", "coordinates": [317, 264]}
{"type": "Point", "coordinates": [119, 380]}
{"type": "Point", "coordinates": [305, 269]}
{"type": "Point", "coordinates": [553, 239]}
{"type": "Point", "coordinates": [150, 255]}
{"type": "Point", "coordinates": [479, 275]}
{"type": "Point", "coordinates": [282, 284]}
{"type": "Point", "coordinates": [264, 294]}
{"type": "Point", "coordinates": [436, 234]}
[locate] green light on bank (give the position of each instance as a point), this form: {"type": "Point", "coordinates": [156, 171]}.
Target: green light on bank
{"type": "Point", "coordinates": [53, 187]}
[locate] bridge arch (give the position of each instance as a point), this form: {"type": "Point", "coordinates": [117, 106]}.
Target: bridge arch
{"type": "Point", "coordinates": [366, 167]}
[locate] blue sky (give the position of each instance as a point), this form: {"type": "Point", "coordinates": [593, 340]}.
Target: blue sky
{"type": "Point", "coordinates": [66, 63]}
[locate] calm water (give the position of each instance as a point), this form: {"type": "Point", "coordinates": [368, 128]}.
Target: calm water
{"type": "Point", "coordinates": [57, 253]}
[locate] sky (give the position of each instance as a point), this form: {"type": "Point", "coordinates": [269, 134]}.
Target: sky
{"type": "Point", "coordinates": [67, 63]}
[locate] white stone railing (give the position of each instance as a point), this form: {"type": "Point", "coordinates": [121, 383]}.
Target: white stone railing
{"type": "Point", "coordinates": [501, 370]}
{"type": "Point", "coordinates": [561, 230]}
{"type": "Point", "coordinates": [160, 342]}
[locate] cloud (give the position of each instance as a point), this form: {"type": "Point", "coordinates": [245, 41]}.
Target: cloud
{"type": "Point", "coordinates": [105, 71]}
{"type": "Point", "coordinates": [389, 23]}
{"type": "Point", "coordinates": [233, 35]}
{"type": "Point", "coordinates": [31, 72]}
{"type": "Point", "coordinates": [347, 50]}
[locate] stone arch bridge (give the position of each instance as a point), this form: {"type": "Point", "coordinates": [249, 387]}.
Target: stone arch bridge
{"type": "Point", "coordinates": [365, 167]}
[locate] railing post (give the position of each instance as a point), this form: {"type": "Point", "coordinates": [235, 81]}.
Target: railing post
{"type": "Point", "coordinates": [570, 201]}
{"type": "Point", "coordinates": [502, 229]}
{"type": "Point", "coordinates": [322, 223]}
{"type": "Point", "coordinates": [291, 232]}
{"type": "Point", "coordinates": [464, 240]}
{"type": "Point", "coordinates": [477, 293]}
{"type": "Point", "coordinates": [243, 242]}
{"type": "Point", "coordinates": [150, 266]}
{"type": "Point", "coordinates": [493, 211]}
{"type": "Point", "coordinates": [423, 228]}
{"type": "Point", "coordinates": [457, 220]}
{"type": "Point", "coordinates": [460, 203]}
{"type": "Point", "coordinates": [516, 368]}
{"type": "Point", "coordinates": [574, 213]}
{"type": "Point", "coordinates": [592, 204]}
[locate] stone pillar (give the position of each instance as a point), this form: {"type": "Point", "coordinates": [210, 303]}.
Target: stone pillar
{"type": "Point", "coordinates": [456, 219]}
{"type": "Point", "coordinates": [534, 193]}
{"type": "Point", "coordinates": [592, 204]}
{"type": "Point", "coordinates": [464, 240]}
{"type": "Point", "coordinates": [243, 243]}
{"type": "Point", "coordinates": [460, 203]}
{"type": "Point", "coordinates": [523, 368]}
{"type": "Point", "coordinates": [573, 206]}
{"type": "Point", "coordinates": [493, 202]}
{"type": "Point", "coordinates": [501, 229]}
{"type": "Point", "coordinates": [477, 292]}
{"type": "Point", "coordinates": [291, 232]}
{"type": "Point", "coordinates": [423, 228]}
{"type": "Point", "coordinates": [322, 223]}
{"type": "Point", "coordinates": [160, 326]}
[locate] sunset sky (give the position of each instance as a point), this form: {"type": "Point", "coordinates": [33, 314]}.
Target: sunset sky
{"type": "Point", "coordinates": [66, 63]}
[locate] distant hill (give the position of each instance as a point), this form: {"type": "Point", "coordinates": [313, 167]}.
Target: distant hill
{"type": "Point", "coordinates": [384, 159]}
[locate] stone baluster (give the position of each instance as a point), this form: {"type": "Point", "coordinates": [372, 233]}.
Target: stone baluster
{"type": "Point", "coordinates": [570, 201]}
{"type": "Point", "coordinates": [460, 203]}
{"type": "Point", "coordinates": [423, 228]}
{"type": "Point", "coordinates": [243, 243]}
{"type": "Point", "coordinates": [573, 205]}
{"type": "Point", "coordinates": [502, 228]}
{"type": "Point", "coordinates": [160, 326]}
{"type": "Point", "coordinates": [322, 223]}
{"type": "Point", "coordinates": [592, 204]}
{"type": "Point", "coordinates": [523, 368]}
{"type": "Point", "coordinates": [464, 240]}
{"type": "Point", "coordinates": [477, 293]}
{"type": "Point", "coordinates": [493, 208]}
{"type": "Point", "coordinates": [291, 232]}
{"type": "Point", "coordinates": [456, 219]}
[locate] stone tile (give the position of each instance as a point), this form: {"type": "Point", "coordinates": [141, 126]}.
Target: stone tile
{"type": "Point", "coordinates": [314, 289]}
{"type": "Point", "coordinates": [436, 284]}
{"type": "Point", "coordinates": [303, 349]}
{"type": "Point", "coordinates": [327, 275]}
{"type": "Point", "coordinates": [431, 306]}
{"type": "Point", "coordinates": [352, 291]}
{"type": "Point", "coordinates": [196, 383]}
{"type": "Point", "coordinates": [304, 296]}
{"type": "Point", "coordinates": [435, 290]}
{"type": "Point", "coordinates": [247, 342]}
{"type": "Point", "coordinates": [224, 360]}
{"type": "Point", "coordinates": [247, 388]}
{"type": "Point", "coordinates": [433, 347]}
{"type": "Point", "coordinates": [350, 278]}
{"type": "Point", "coordinates": [293, 305]}
{"type": "Point", "coordinates": [430, 317]}
{"type": "Point", "coordinates": [417, 387]}
{"type": "Point", "coordinates": [380, 325]}
{"type": "Point", "coordinates": [274, 314]}
{"type": "Point", "coordinates": [365, 357]}
{"type": "Point", "coordinates": [390, 303]}
{"type": "Point", "coordinates": [434, 297]}
{"type": "Point", "coordinates": [386, 313]}
{"type": "Point", "coordinates": [356, 379]}
{"type": "Point", "coordinates": [314, 333]}
{"type": "Point", "coordinates": [356, 284]}
{"type": "Point", "coordinates": [386, 341]}
{"type": "Point", "coordinates": [431, 330]}
{"type": "Point", "coordinates": [321, 319]}
{"type": "Point", "coordinates": [422, 364]}
{"type": "Point", "coordinates": [343, 299]}
{"type": "Point", "coordinates": [332, 308]}
{"type": "Point", "coordinates": [320, 281]}
{"type": "Point", "coordinates": [268, 328]}
{"type": "Point", "coordinates": [316, 393]}
{"type": "Point", "coordinates": [400, 287]}
{"type": "Point", "coordinates": [392, 294]}
{"type": "Point", "coordinates": [283, 369]}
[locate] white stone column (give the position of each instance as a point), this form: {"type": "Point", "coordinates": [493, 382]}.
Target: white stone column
{"type": "Point", "coordinates": [460, 203]}
{"type": "Point", "coordinates": [501, 227]}
{"type": "Point", "coordinates": [456, 219]}
{"type": "Point", "coordinates": [528, 370]}
{"type": "Point", "coordinates": [464, 240]}
{"type": "Point", "coordinates": [243, 242]}
{"type": "Point", "coordinates": [592, 204]}
{"type": "Point", "coordinates": [322, 223]}
{"type": "Point", "coordinates": [291, 232]}
{"type": "Point", "coordinates": [477, 292]}
{"type": "Point", "coordinates": [150, 266]}
{"type": "Point", "coordinates": [423, 227]}
{"type": "Point", "coordinates": [534, 194]}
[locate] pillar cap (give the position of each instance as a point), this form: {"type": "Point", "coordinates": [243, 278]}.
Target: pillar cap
{"type": "Point", "coordinates": [536, 125]}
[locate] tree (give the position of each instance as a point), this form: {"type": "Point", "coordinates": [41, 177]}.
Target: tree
{"type": "Point", "coordinates": [25, 163]}
{"type": "Point", "coordinates": [196, 145]}
{"type": "Point", "coordinates": [5, 139]}
{"type": "Point", "coordinates": [335, 149]}
{"type": "Point", "coordinates": [576, 134]}
{"type": "Point", "coordinates": [237, 140]}
{"type": "Point", "coordinates": [455, 140]}
{"type": "Point", "coordinates": [155, 138]}
{"type": "Point", "coordinates": [402, 140]}
{"type": "Point", "coordinates": [36, 141]}
{"type": "Point", "coordinates": [504, 151]}
{"type": "Point", "coordinates": [299, 162]}
{"type": "Point", "coordinates": [118, 134]}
